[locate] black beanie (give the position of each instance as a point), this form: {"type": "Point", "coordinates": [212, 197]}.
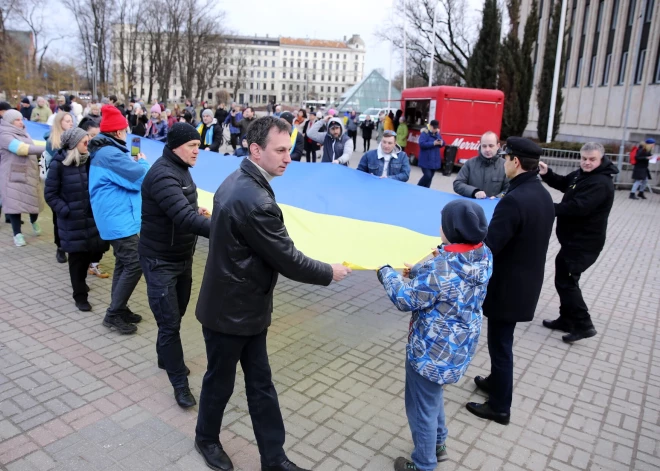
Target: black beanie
{"type": "Point", "coordinates": [464, 222]}
{"type": "Point", "coordinates": [4, 106]}
{"type": "Point", "coordinates": [180, 133]}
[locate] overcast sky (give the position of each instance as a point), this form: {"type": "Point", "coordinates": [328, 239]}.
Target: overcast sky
{"type": "Point", "coordinates": [299, 18]}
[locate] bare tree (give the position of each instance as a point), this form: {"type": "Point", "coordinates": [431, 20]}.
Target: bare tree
{"type": "Point", "coordinates": [201, 48]}
{"type": "Point", "coordinates": [94, 19]}
{"type": "Point", "coordinates": [453, 37]}
{"type": "Point", "coordinates": [7, 9]}
{"type": "Point", "coordinates": [240, 66]}
{"type": "Point", "coordinates": [127, 44]}
{"type": "Point", "coordinates": [32, 14]}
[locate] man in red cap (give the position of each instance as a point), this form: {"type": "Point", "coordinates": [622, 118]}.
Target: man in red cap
{"type": "Point", "coordinates": [115, 180]}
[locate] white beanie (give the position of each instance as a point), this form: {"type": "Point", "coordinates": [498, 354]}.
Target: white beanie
{"type": "Point", "coordinates": [12, 115]}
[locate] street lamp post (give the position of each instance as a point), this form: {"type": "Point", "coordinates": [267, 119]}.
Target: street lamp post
{"type": "Point", "coordinates": [435, 14]}
{"type": "Point", "coordinates": [95, 48]}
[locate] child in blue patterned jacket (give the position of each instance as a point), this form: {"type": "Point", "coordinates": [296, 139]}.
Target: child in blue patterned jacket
{"type": "Point", "coordinates": [445, 295]}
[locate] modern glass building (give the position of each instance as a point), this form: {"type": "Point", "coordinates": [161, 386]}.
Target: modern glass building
{"type": "Point", "coordinates": [370, 92]}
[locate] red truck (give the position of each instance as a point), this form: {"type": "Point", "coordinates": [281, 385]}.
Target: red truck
{"type": "Point", "coordinates": [464, 115]}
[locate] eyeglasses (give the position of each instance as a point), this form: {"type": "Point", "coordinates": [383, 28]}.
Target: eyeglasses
{"type": "Point", "coordinates": [389, 133]}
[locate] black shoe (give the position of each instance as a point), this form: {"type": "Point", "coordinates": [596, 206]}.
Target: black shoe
{"type": "Point", "coordinates": [60, 256]}
{"type": "Point", "coordinates": [214, 456]}
{"type": "Point", "coordinates": [557, 324]}
{"type": "Point", "coordinates": [184, 397]}
{"type": "Point", "coordinates": [485, 412]}
{"type": "Point", "coordinates": [285, 465]}
{"type": "Point", "coordinates": [162, 367]}
{"type": "Point", "coordinates": [404, 464]}
{"type": "Point", "coordinates": [130, 317]}
{"type": "Point", "coordinates": [579, 335]}
{"type": "Point", "coordinates": [116, 322]}
{"type": "Point", "coordinates": [632, 196]}
{"type": "Point", "coordinates": [482, 384]}
{"type": "Point", "coordinates": [84, 306]}
{"type": "Point", "coordinates": [441, 453]}
{"type": "Point", "coordinates": [641, 195]}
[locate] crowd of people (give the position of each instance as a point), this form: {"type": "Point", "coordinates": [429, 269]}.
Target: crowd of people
{"type": "Point", "coordinates": [102, 196]}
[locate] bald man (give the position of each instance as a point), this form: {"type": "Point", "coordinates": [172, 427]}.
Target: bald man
{"type": "Point", "coordinates": [483, 176]}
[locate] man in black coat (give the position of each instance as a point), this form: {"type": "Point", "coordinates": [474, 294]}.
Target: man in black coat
{"type": "Point", "coordinates": [249, 246]}
{"type": "Point", "coordinates": [518, 236]}
{"type": "Point", "coordinates": [581, 226]}
{"type": "Point", "coordinates": [210, 132]}
{"type": "Point", "coordinates": [171, 223]}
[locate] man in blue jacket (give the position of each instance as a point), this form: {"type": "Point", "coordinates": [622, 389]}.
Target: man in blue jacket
{"type": "Point", "coordinates": [234, 132]}
{"type": "Point", "coordinates": [115, 180]}
{"type": "Point", "coordinates": [430, 143]}
{"type": "Point", "coordinates": [387, 160]}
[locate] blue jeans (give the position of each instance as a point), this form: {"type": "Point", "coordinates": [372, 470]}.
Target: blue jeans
{"type": "Point", "coordinates": [427, 177]}
{"type": "Point", "coordinates": [639, 185]}
{"type": "Point", "coordinates": [425, 409]}
{"type": "Point", "coordinates": [168, 290]}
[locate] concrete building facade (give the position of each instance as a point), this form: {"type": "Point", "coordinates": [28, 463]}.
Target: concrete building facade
{"type": "Point", "coordinates": [258, 70]}
{"type": "Point", "coordinates": [602, 61]}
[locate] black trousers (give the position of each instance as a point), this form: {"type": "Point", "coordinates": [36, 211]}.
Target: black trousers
{"type": "Point", "coordinates": [223, 352]}
{"type": "Point", "coordinates": [168, 291]}
{"type": "Point", "coordinates": [569, 267]}
{"type": "Point", "coordinates": [15, 220]}
{"type": "Point", "coordinates": [353, 135]}
{"type": "Point", "coordinates": [367, 144]}
{"type": "Point", "coordinates": [234, 140]}
{"type": "Point", "coordinates": [500, 348]}
{"type": "Point", "coordinates": [310, 154]}
{"type": "Point", "coordinates": [78, 265]}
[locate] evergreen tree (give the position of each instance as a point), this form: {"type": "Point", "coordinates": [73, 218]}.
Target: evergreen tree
{"type": "Point", "coordinates": [510, 74]}
{"type": "Point", "coordinates": [544, 91]}
{"type": "Point", "coordinates": [527, 67]}
{"type": "Point", "coordinates": [483, 64]}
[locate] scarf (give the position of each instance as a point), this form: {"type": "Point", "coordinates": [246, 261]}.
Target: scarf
{"type": "Point", "coordinates": [208, 139]}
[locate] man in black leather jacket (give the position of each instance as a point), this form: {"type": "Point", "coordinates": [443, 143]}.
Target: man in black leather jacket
{"type": "Point", "coordinates": [171, 223]}
{"type": "Point", "coordinates": [249, 246]}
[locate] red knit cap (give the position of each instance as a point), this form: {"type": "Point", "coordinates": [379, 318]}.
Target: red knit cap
{"type": "Point", "coordinates": [112, 119]}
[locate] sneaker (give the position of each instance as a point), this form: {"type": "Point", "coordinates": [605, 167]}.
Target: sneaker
{"type": "Point", "coordinates": [403, 464]}
{"type": "Point", "coordinates": [441, 453]}
{"type": "Point", "coordinates": [96, 271]}
{"type": "Point", "coordinates": [116, 322]}
{"type": "Point", "coordinates": [36, 228]}
{"type": "Point", "coordinates": [19, 240]}
{"type": "Point", "coordinates": [130, 317]}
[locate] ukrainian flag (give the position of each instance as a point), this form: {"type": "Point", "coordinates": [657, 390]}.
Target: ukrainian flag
{"type": "Point", "coordinates": [334, 213]}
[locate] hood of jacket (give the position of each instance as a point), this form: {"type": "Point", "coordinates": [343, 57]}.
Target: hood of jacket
{"type": "Point", "coordinates": [395, 152]}
{"type": "Point", "coordinates": [341, 124]}
{"type": "Point", "coordinates": [474, 267]}
{"type": "Point", "coordinates": [486, 160]}
{"type": "Point", "coordinates": [103, 140]}
{"type": "Point", "coordinates": [606, 167]}
{"type": "Point", "coordinates": [21, 134]}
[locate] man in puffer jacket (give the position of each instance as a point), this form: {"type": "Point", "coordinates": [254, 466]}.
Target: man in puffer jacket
{"type": "Point", "coordinates": [171, 223]}
{"type": "Point", "coordinates": [115, 179]}
{"type": "Point", "coordinates": [337, 146]}
{"type": "Point", "coordinates": [445, 295]}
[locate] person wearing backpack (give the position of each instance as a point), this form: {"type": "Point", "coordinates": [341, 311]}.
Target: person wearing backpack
{"type": "Point", "coordinates": [641, 174]}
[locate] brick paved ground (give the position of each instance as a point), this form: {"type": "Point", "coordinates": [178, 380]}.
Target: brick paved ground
{"type": "Point", "coordinates": [74, 396]}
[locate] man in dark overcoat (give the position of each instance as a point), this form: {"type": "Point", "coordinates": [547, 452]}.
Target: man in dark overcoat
{"type": "Point", "coordinates": [518, 236]}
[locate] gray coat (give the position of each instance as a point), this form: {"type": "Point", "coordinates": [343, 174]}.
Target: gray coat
{"type": "Point", "coordinates": [20, 186]}
{"type": "Point", "coordinates": [482, 174]}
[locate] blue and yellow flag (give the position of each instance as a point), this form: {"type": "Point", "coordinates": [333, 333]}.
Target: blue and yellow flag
{"type": "Point", "coordinates": [334, 213]}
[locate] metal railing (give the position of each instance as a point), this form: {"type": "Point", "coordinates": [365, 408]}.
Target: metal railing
{"type": "Point", "coordinates": [566, 161]}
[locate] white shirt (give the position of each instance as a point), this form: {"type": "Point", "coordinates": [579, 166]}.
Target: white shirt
{"type": "Point", "coordinates": [386, 158]}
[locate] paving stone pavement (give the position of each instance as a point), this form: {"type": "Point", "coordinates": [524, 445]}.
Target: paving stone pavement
{"type": "Point", "coordinates": [74, 396]}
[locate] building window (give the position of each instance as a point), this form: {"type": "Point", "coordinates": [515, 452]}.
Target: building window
{"type": "Point", "coordinates": [252, 74]}
{"type": "Point", "coordinates": [344, 56]}
{"type": "Point", "coordinates": [298, 76]}
{"type": "Point", "coordinates": [298, 53]}
{"type": "Point", "coordinates": [291, 75]}
{"type": "Point", "coordinates": [291, 64]}
{"type": "Point", "coordinates": [622, 69]}
{"type": "Point", "coordinates": [284, 64]}
{"type": "Point", "coordinates": [335, 89]}
{"type": "Point", "coordinates": [356, 57]}
{"type": "Point", "coordinates": [283, 75]}
{"type": "Point", "coordinates": [283, 87]}
{"type": "Point", "coordinates": [272, 63]}
{"type": "Point", "coordinates": [290, 86]}
{"type": "Point", "coordinates": [323, 55]}
{"type": "Point", "coordinates": [251, 86]}
{"type": "Point", "coordinates": [272, 86]}
{"type": "Point", "coordinates": [285, 53]}
{"type": "Point", "coordinates": [313, 76]}
{"type": "Point", "coordinates": [314, 54]}
{"type": "Point", "coordinates": [297, 88]}
{"type": "Point", "coordinates": [592, 71]}
{"type": "Point", "coordinates": [209, 96]}
{"type": "Point", "coordinates": [321, 88]}
{"type": "Point", "coordinates": [258, 74]}
{"type": "Point", "coordinates": [322, 78]}
{"type": "Point", "coordinates": [298, 64]}
{"type": "Point", "coordinates": [231, 73]}
{"type": "Point", "coordinates": [272, 75]}
{"type": "Point", "coordinates": [640, 67]}
{"type": "Point", "coordinates": [174, 92]}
